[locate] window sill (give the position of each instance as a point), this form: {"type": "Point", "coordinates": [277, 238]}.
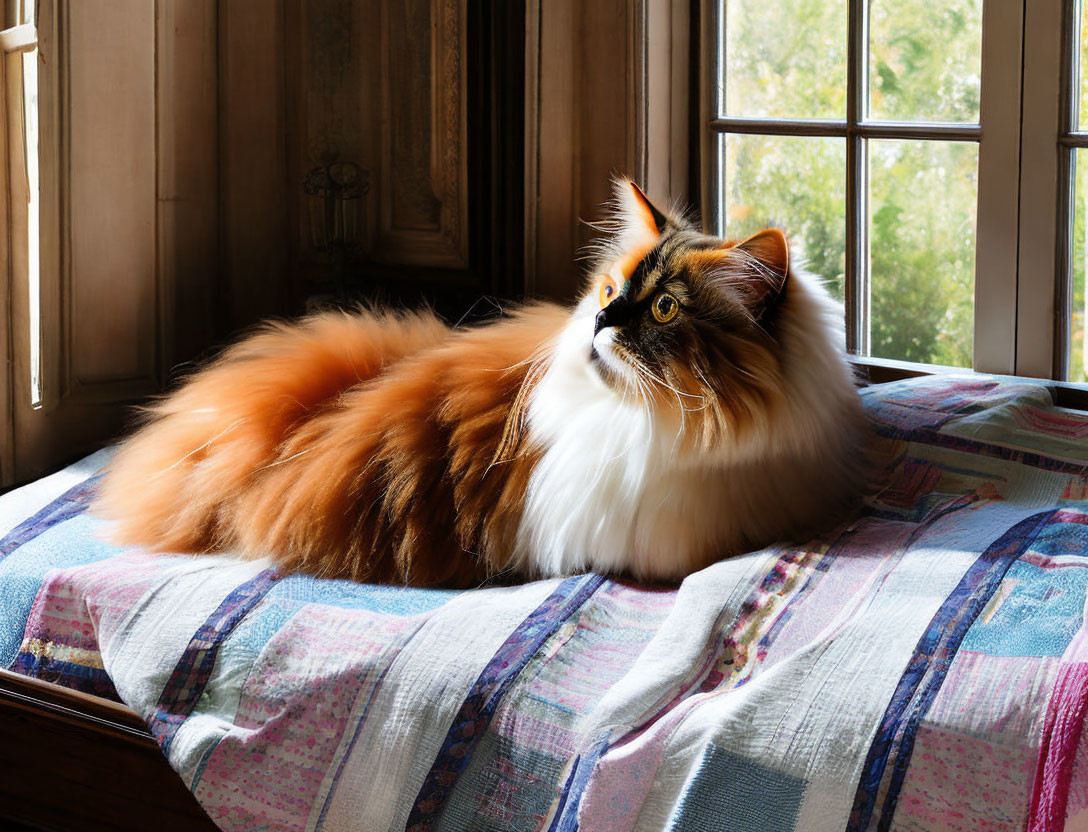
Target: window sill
{"type": "Point", "coordinates": [880, 370]}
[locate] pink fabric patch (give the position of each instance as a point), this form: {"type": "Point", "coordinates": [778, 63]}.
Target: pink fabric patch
{"type": "Point", "coordinates": [293, 714]}
{"type": "Point", "coordinates": [1062, 733]}
{"type": "Point", "coordinates": [78, 607]}
{"type": "Point", "coordinates": [962, 783]}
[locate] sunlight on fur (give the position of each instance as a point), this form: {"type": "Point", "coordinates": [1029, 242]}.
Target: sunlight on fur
{"type": "Point", "coordinates": [694, 404]}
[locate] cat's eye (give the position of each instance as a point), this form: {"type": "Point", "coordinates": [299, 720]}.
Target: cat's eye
{"type": "Point", "coordinates": [607, 293]}
{"type": "Point", "coordinates": [665, 308]}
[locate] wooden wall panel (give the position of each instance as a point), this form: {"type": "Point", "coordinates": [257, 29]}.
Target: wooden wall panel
{"type": "Point", "coordinates": [252, 158]}
{"type": "Point", "coordinates": [423, 182]}
{"type": "Point", "coordinates": [110, 127]}
{"type": "Point", "coordinates": [408, 118]}
{"type": "Point", "coordinates": [7, 367]}
{"type": "Point", "coordinates": [551, 145]}
{"type": "Point", "coordinates": [330, 46]}
{"type": "Point", "coordinates": [604, 99]}
{"type": "Point", "coordinates": [668, 87]}
{"type": "Point", "coordinates": [188, 177]}
{"type": "Point", "coordinates": [585, 119]}
{"type": "Point", "coordinates": [381, 84]}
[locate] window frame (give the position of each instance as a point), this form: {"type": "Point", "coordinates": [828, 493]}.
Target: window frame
{"type": "Point", "coordinates": [999, 326]}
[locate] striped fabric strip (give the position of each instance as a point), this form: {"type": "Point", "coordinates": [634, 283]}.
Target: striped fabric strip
{"type": "Point", "coordinates": [926, 671]}
{"type": "Point", "coordinates": [190, 676]}
{"type": "Point", "coordinates": [1018, 456]}
{"type": "Point", "coordinates": [486, 693]}
{"type": "Point", "coordinates": [1062, 729]}
{"type": "Point", "coordinates": [81, 677]}
{"type": "Point", "coordinates": [566, 814]}
{"type": "Point", "coordinates": [71, 503]}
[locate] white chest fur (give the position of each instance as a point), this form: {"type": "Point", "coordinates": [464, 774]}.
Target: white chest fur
{"type": "Point", "coordinates": [609, 488]}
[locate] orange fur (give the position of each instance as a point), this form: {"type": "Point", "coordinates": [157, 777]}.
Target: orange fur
{"type": "Point", "coordinates": [353, 446]}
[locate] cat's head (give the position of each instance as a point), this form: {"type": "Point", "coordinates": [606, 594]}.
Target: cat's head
{"type": "Point", "coordinates": [686, 323]}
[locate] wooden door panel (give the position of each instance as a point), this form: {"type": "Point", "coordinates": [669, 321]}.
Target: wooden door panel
{"type": "Point", "coordinates": [109, 275]}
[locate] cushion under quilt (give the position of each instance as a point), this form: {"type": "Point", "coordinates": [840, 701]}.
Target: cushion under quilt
{"type": "Point", "coordinates": [922, 667]}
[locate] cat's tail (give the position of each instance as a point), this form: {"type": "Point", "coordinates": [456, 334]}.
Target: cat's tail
{"type": "Point", "coordinates": [172, 484]}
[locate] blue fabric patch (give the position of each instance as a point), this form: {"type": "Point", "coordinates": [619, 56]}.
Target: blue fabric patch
{"type": "Point", "coordinates": [293, 593]}
{"type": "Point", "coordinates": [732, 792]}
{"type": "Point", "coordinates": [391, 600]}
{"type": "Point", "coordinates": [258, 628]}
{"type": "Point", "coordinates": [68, 544]}
{"type": "Point", "coordinates": [1062, 539]}
{"type": "Point", "coordinates": [71, 503]}
{"type": "Point", "coordinates": [506, 788]}
{"type": "Point", "coordinates": [1038, 611]}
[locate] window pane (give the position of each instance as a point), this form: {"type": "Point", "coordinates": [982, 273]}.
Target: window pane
{"type": "Point", "coordinates": [1080, 58]}
{"type": "Point", "coordinates": [925, 60]}
{"type": "Point", "coordinates": [785, 58]}
{"type": "Point", "coordinates": [922, 212]}
{"type": "Point", "coordinates": [796, 183]}
{"type": "Point", "coordinates": [1078, 347]}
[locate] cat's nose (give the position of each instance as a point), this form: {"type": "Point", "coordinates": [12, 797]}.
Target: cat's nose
{"type": "Point", "coordinates": [617, 313]}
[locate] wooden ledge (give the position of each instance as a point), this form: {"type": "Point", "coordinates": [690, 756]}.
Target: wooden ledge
{"type": "Point", "coordinates": [70, 761]}
{"type": "Point", "coordinates": [84, 710]}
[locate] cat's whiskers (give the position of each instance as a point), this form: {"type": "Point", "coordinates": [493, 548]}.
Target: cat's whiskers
{"type": "Point", "coordinates": [515, 421]}
{"type": "Point", "coordinates": [514, 366]}
{"type": "Point", "coordinates": [643, 372]}
{"type": "Point", "coordinates": [664, 383]}
{"type": "Point", "coordinates": [511, 566]}
{"type": "Point", "coordinates": [642, 397]}
{"type": "Point", "coordinates": [678, 393]}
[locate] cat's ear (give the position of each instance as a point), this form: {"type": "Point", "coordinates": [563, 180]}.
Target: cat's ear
{"type": "Point", "coordinates": [640, 222]}
{"type": "Point", "coordinates": [759, 269]}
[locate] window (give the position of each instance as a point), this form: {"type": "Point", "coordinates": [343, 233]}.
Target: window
{"type": "Point", "coordinates": [884, 137]}
{"type": "Point", "coordinates": [19, 44]}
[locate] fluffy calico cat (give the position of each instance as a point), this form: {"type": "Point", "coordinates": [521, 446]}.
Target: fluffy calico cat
{"type": "Point", "coordinates": [695, 403]}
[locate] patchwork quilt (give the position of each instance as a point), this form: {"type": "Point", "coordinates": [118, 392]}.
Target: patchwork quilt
{"type": "Point", "coordinates": [922, 667]}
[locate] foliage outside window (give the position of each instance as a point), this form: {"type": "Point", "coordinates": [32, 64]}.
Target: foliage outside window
{"type": "Point", "coordinates": [787, 59]}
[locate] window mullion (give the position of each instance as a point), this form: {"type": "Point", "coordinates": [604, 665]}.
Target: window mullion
{"type": "Point", "coordinates": [856, 279]}
{"type": "Point", "coordinates": [996, 246]}
{"type": "Point", "coordinates": [711, 75]}
{"type": "Point", "coordinates": [1044, 184]}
